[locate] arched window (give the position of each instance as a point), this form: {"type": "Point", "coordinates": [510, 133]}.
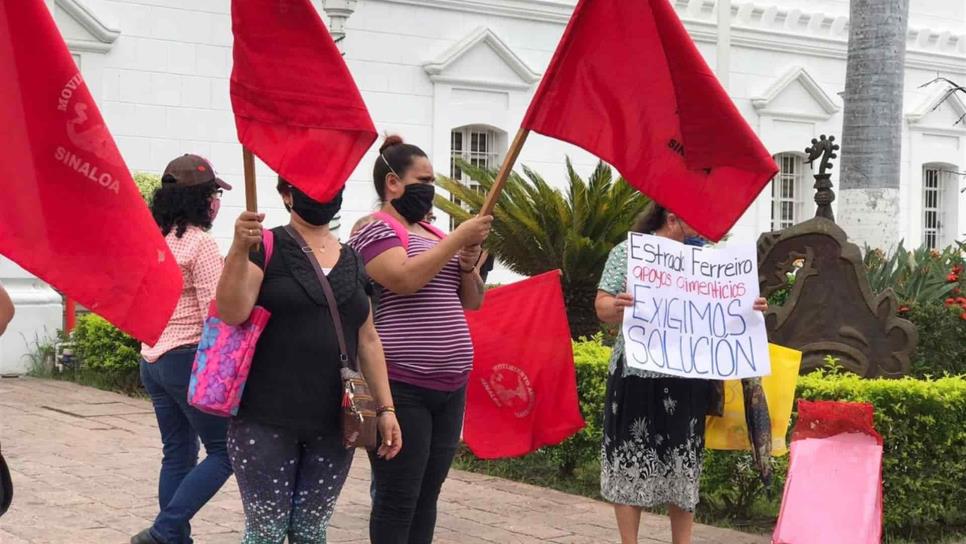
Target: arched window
{"type": "Point", "coordinates": [788, 191]}
{"type": "Point", "coordinates": [939, 205]}
{"type": "Point", "coordinates": [479, 145]}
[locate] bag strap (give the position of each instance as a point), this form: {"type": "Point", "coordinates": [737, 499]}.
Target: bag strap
{"type": "Point", "coordinates": [401, 230]}
{"type": "Point", "coordinates": [433, 228]}
{"type": "Point", "coordinates": [268, 240]}
{"type": "Point", "coordinates": [347, 362]}
{"type": "Point", "coordinates": [396, 227]}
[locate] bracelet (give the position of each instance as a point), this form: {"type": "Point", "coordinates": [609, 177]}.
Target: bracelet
{"type": "Point", "coordinates": [385, 410]}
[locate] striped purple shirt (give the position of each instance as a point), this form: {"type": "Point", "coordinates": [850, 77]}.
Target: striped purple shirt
{"type": "Point", "coordinates": [424, 335]}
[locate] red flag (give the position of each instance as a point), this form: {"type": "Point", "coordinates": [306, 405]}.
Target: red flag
{"type": "Point", "coordinates": [522, 393]}
{"type": "Point", "coordinates": [629, 85]}
{"type": "Point", "coordinates": [296, 105]}
{"type": "Point", "coordinates": [70, 212]}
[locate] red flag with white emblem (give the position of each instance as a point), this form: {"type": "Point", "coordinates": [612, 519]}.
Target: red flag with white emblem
{"type": "Point", "coordinates": [70, 213]}
{"type": "Point", "coordinates": [296, 105]}
{"type": "Point", "coordinates": [522, 393]}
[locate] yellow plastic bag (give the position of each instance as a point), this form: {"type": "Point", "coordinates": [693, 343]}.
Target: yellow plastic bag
{"type": "Point", "coordinates": [730, 431]}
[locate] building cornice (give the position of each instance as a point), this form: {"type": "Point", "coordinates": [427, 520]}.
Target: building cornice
{"type": "Point", "coordinates": [755, 26]}
{"type": "Point", "coordinates": [104, 35]}
{"type": "Point", "coordinates": [922, 112]}
{"type": "Point", "coordinates": [799, 74]}
{"type": "Point", "coordinates": [437, 68]}
{"type": "Point", "coordinates": [549, 11]}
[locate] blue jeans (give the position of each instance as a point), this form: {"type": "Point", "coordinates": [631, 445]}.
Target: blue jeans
{"type": "Point", "coordinates": [185, 485]}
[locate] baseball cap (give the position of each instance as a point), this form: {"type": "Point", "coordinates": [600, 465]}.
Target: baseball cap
{"type": "Point", "coordinates": [188, 170]}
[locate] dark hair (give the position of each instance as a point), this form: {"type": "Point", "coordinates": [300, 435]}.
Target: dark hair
{"type": "Point", "coordinates": [283, 187]}
{"type": "Point", "coordinates": [651, 219]}
{"type": "Point", "coordinates": [394, 155]}
{"type": "Point", "coordinates": [180, 206]}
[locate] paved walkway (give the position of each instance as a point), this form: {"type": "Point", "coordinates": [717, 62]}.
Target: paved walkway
{"type": "Point", "coordinates": [85, 463]}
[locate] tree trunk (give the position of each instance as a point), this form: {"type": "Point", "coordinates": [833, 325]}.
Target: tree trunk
{"type": "Point", "coordinates": [872, 130]}
{"type": "Point", "coordinates": [581, 314]}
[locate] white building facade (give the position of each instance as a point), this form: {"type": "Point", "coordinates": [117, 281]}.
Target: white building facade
{"type": "Point", "coordinates": [456, 76]}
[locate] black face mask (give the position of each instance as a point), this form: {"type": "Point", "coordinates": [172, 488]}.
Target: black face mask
{"type": "Point", "coordinates": [416, 202]}
{"type": "Point", "coordinates": [315, 213]}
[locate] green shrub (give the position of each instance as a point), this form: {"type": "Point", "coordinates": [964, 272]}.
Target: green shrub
{"type": "Point", "coordinates": [591, 359]}
{"type": "Point", "coordinates": [920, 276]}
{"type": "Point", "coordinates": [921, 421]}
{"type": "Point", "coordinates": [942, 340]}
{"type": "Point", "coordinates": [147, 184]}
{"type": "Point", "coordinates": [779, 297]}
{"type": "Point", "coordinates": [923, 424]}
{"type": "Point", "coordinates": [101, 346]}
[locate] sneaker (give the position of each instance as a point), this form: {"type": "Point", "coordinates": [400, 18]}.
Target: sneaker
{"type": "Point", "coordinates": [144, 537]}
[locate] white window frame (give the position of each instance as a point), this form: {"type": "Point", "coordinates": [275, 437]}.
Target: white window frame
{"type": "Point", "coordinates": [478, 145]}
{"type": "Point", "coordinates": [939, 203]}
{"type": "Point", "coordinates": [788, 191]}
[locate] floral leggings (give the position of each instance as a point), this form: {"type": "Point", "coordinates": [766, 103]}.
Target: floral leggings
{"type": "Point", "coordinates": [289, 481]}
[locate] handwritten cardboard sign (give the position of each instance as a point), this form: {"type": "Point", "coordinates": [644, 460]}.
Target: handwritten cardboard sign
{"type": "Point", "coordinates": [692, 315]}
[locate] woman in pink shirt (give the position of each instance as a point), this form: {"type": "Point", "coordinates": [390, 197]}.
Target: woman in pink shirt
{"type": "Point", "coordinates": [184, 207]}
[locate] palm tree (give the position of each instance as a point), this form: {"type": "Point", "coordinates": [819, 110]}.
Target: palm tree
{"type": "Point", "coordinates": [872, 131]}
{"type": "Point", "coordinates": [538, 228]}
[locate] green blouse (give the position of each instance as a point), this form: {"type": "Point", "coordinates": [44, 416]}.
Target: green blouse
{"type": "Point", "coordinates": [614, 281]}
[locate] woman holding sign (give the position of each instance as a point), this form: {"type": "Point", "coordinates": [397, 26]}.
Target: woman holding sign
{"type": "Point", "coordinates": [653, 423]}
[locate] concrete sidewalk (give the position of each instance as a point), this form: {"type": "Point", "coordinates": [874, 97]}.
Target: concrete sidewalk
{"type": "Point", "coordinates": [85, 466]}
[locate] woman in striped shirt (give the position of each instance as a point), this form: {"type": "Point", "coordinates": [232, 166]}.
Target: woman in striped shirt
{"type": "Point", "coordinates": [426, 280]}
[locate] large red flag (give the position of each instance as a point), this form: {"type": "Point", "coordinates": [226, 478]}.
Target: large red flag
{"type": "Point", "coordinates": [69, 211]}
{"type": "Point", "coordinates": [296, 105]}
{"type": "Point", "coordinates": [522, 393]}
{"type": "Point", "coordinates": [628, 84]}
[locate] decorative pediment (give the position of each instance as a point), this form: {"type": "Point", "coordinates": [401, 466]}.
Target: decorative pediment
{"type": "Point", "coordinates": [796, 95]}
{"type": "Point", "coordinates": [940, 110]}
{"type": "Point", "coordinates": [84, 26]}
{"type": "Point", "coordinates": [482, 59]}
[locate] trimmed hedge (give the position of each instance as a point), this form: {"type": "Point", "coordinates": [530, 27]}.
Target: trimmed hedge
{"type": "Point", "coordinates": [102, 346]}
{"type": "Point", "coordinates": [923, 423]}
{"type": "Point", "coordinates": [109, 358]}
{"type": "Point", "coordinates": [942, 339]}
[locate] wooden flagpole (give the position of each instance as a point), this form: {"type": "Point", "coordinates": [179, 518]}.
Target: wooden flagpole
{"type": "Point", "coordinates": [251, 195]}
{"type": "Point", "coordinates": [511, 158]}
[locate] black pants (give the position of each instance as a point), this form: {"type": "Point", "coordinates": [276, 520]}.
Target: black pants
{"type": "Point", "coordinates": [406, 488]}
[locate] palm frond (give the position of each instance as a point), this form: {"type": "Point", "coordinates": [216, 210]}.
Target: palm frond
{"type": "Point", "coordinates": [539, 227]}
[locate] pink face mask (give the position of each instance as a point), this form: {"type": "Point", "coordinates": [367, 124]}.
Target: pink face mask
{"type": "Point", "coordinates": [215, 206]}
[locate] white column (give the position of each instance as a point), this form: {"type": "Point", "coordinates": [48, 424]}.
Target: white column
{"type": "Point", "coordinates": [339, 12]}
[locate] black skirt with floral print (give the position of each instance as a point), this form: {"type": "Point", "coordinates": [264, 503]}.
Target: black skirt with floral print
{"type": "Point", "coordinates": [653, 439]}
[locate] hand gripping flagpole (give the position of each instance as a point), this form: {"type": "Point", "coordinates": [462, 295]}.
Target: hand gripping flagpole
{"type": "Point", "coordinates": [511, 158]}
